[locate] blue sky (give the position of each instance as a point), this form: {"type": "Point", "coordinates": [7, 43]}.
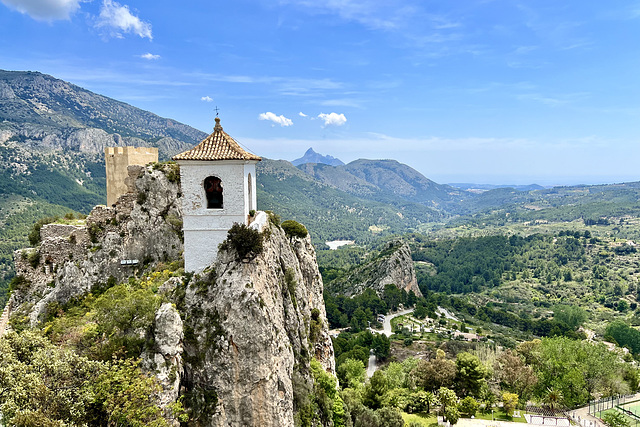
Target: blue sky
{"type": "Point", "coordinates": [486, 91]}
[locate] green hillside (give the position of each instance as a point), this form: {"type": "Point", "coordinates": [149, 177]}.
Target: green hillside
{"type": "Point", "coordinates": [388, 181]}
{"type": "Point", "coordinates": [329, 213]}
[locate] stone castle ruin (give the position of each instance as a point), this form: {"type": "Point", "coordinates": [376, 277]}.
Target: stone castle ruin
{"type": "Point", "coordinates": [117, 160]}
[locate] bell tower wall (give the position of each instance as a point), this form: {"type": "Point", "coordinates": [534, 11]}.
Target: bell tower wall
{"type": "Point", "coordinates": [205, 228]}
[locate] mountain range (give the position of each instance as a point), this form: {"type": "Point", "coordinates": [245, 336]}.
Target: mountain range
{"type": "Point", "coordinates": [311, 156]}
{"type": "Point", "coordinates": [53, 135]}
{"type": "Point", "coordinates": [40, 111]}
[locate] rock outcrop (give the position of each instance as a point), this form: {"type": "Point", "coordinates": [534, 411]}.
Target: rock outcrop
{"type": "Point", "coordinates": [235, 342]}
{"type": "Point", "coordinates": [249, 331]}
{"type": "Point", "coordinates": [145, 225]}
{"type": "Point", "coordinates": [394, 266]}
{"type": "Point", "coordinates": [165, 359]}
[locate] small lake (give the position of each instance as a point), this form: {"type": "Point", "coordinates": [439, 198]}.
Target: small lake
{"type": "Point", "coordinates": [335, 244]}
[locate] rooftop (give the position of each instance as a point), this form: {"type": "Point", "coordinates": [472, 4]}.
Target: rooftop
{"type": "Point", "coordinates": [217, 146]}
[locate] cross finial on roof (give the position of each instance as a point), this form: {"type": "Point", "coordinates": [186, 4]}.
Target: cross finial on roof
{"type": "Point", "coordinates": [216, 110]}
{"type": "Point", "coordinates": [217, 127]}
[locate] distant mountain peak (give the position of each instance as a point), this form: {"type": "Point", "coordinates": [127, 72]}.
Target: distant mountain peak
{"type": "Point", "coordinates": [311, 156]}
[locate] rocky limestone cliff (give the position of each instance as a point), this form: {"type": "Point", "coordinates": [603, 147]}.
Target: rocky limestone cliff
{"type": "Point", "coordinates": [145, 225]}
{"type": "Point", "coordinates": [249, 331]}
{"type": "Point", "coordinates": [235, 342]}
{"type": "Point", "coordinates": [394, 266]}
{"type": "Point", "coordinates": [41, 111]}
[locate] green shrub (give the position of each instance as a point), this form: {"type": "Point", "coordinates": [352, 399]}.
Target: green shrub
{"type": "Point", "coordinates": [94, 231]}
{"type": "Point", "coordinates": [469, 406]}
{"type": "Point", "coordinates": [170, 169]}
{"type": "Point", "coordinates": [290, 280]}
{"type": "Point", "coordinates": [34, 258]}
{"type": "Point", "coordinates": [176, 225]}
{"type": "Point", "coordinates": [315, 326]}
{"type": "Point", "coordinates": [294, 229]}
{"type": "Point", "coordinates": [19, 283]}
{"type": "Point", "coordinates": [142, 197]}
{"type": "Point", "coordinates": [273, 218]}
{"type": "Point", "coordinates": [245, 240]}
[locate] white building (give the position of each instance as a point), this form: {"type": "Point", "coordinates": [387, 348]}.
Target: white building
{"type": "Point", "coordinates": [218, 181]}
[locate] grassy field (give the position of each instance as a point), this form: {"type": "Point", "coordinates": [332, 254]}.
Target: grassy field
{"type": "Point", "coordinates": [631, 421]}
{"type": "Point", "coordinates": [427, 420]}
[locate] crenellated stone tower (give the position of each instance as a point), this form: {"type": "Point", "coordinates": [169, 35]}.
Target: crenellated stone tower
{"type": "Point", "coordinates": [218, 180]}
{"type": "Point", "coordinates": [117, 160]}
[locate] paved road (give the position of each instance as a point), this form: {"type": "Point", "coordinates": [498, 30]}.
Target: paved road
{"type": "Point", "coordinates": [371, 368]}
{"type": "Point", "coordinates": [386, 326]}
{"type": "Point", "coordinates": [386, 329]}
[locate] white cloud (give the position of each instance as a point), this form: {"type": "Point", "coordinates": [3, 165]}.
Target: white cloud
{"type": "Point", "coordinates": [301, 114]}
{"type": "Point", "coordinates": [334, 119]}
{"type": "Point", "coordinates": [150, 56]}
{"type": "Point", "coordinates": [280, 120]}
{"type": "Point", "coordinates": [206, 99]}
{"type": "Point", "coordinates": [341, 103]}
{"type": "Point", "coordinates": [118, 17]}
{"type": "Point", "coordinates": [44, 10]}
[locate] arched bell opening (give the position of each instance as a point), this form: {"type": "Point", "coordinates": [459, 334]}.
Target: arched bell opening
{"type": "Point", "coordinates": [213, 190]}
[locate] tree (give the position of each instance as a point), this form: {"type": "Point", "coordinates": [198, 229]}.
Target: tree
{"type": "Point", "coordinates": [578, 370]}
{"type": "Point", "coordinates": [553, 398]}
{"type": "Point", "coordinates": [432, 374]}
{"type": "Point", "coordinates": [44, 385]}
{"type": "Point", "coordinates": [375, 389]}
{"type": "Point", "coordinates": [570, 315]}
{"type": "Point", "coordinates": [389, 417]}
{"type": "Point", "coordinates": [324, 380]}
{"type": "Point", "coordinates": [509, 403]}
{"type": "Point", "coordinates": [395, 375]}
{"type": "Point", "coordinates": [447, 398]}
{"type": "Point", "coordinates": [468, 406]}
{"type": "Point", "coordinates": [392, 296]}
{"type": "Point", "coordinates": [339, 414]}
{"type": "Point", "coordinates": [625, 335]}
{"type": "Point", "coordinates": [530, 350]}
{"type": "Point", "coordinates": [431, 401]}
{"type": "Point", "coordinates": [421, 401]}
{"type": "Point", "coordinates": [514, 375]}
{"type": "Point", "coordinates": [351, 373]}
{"type": "Point", "coordinates": [381, 346]}
{"type": "Point", "coordinates": [359, 320]}
{"type": "Point", "coordinates": [451, 414]}
{"type": "Point", "coordinates": [470, 374]}
{"type": "Point", "coordinates": [294, 229]}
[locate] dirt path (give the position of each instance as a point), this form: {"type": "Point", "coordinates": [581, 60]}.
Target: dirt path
{"type": "Point", "coordinates": [4, 320]}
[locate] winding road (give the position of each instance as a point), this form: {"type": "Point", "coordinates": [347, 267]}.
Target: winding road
{"type": "Point", "coordinates": [386, 329]}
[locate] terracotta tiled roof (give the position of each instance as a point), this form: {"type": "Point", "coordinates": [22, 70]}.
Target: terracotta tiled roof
{"type": "Point", "coordinates": [217, 146]}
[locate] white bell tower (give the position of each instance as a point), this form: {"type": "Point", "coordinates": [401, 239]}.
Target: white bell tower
{"type": "Point", "coordinates": [218, 180]}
